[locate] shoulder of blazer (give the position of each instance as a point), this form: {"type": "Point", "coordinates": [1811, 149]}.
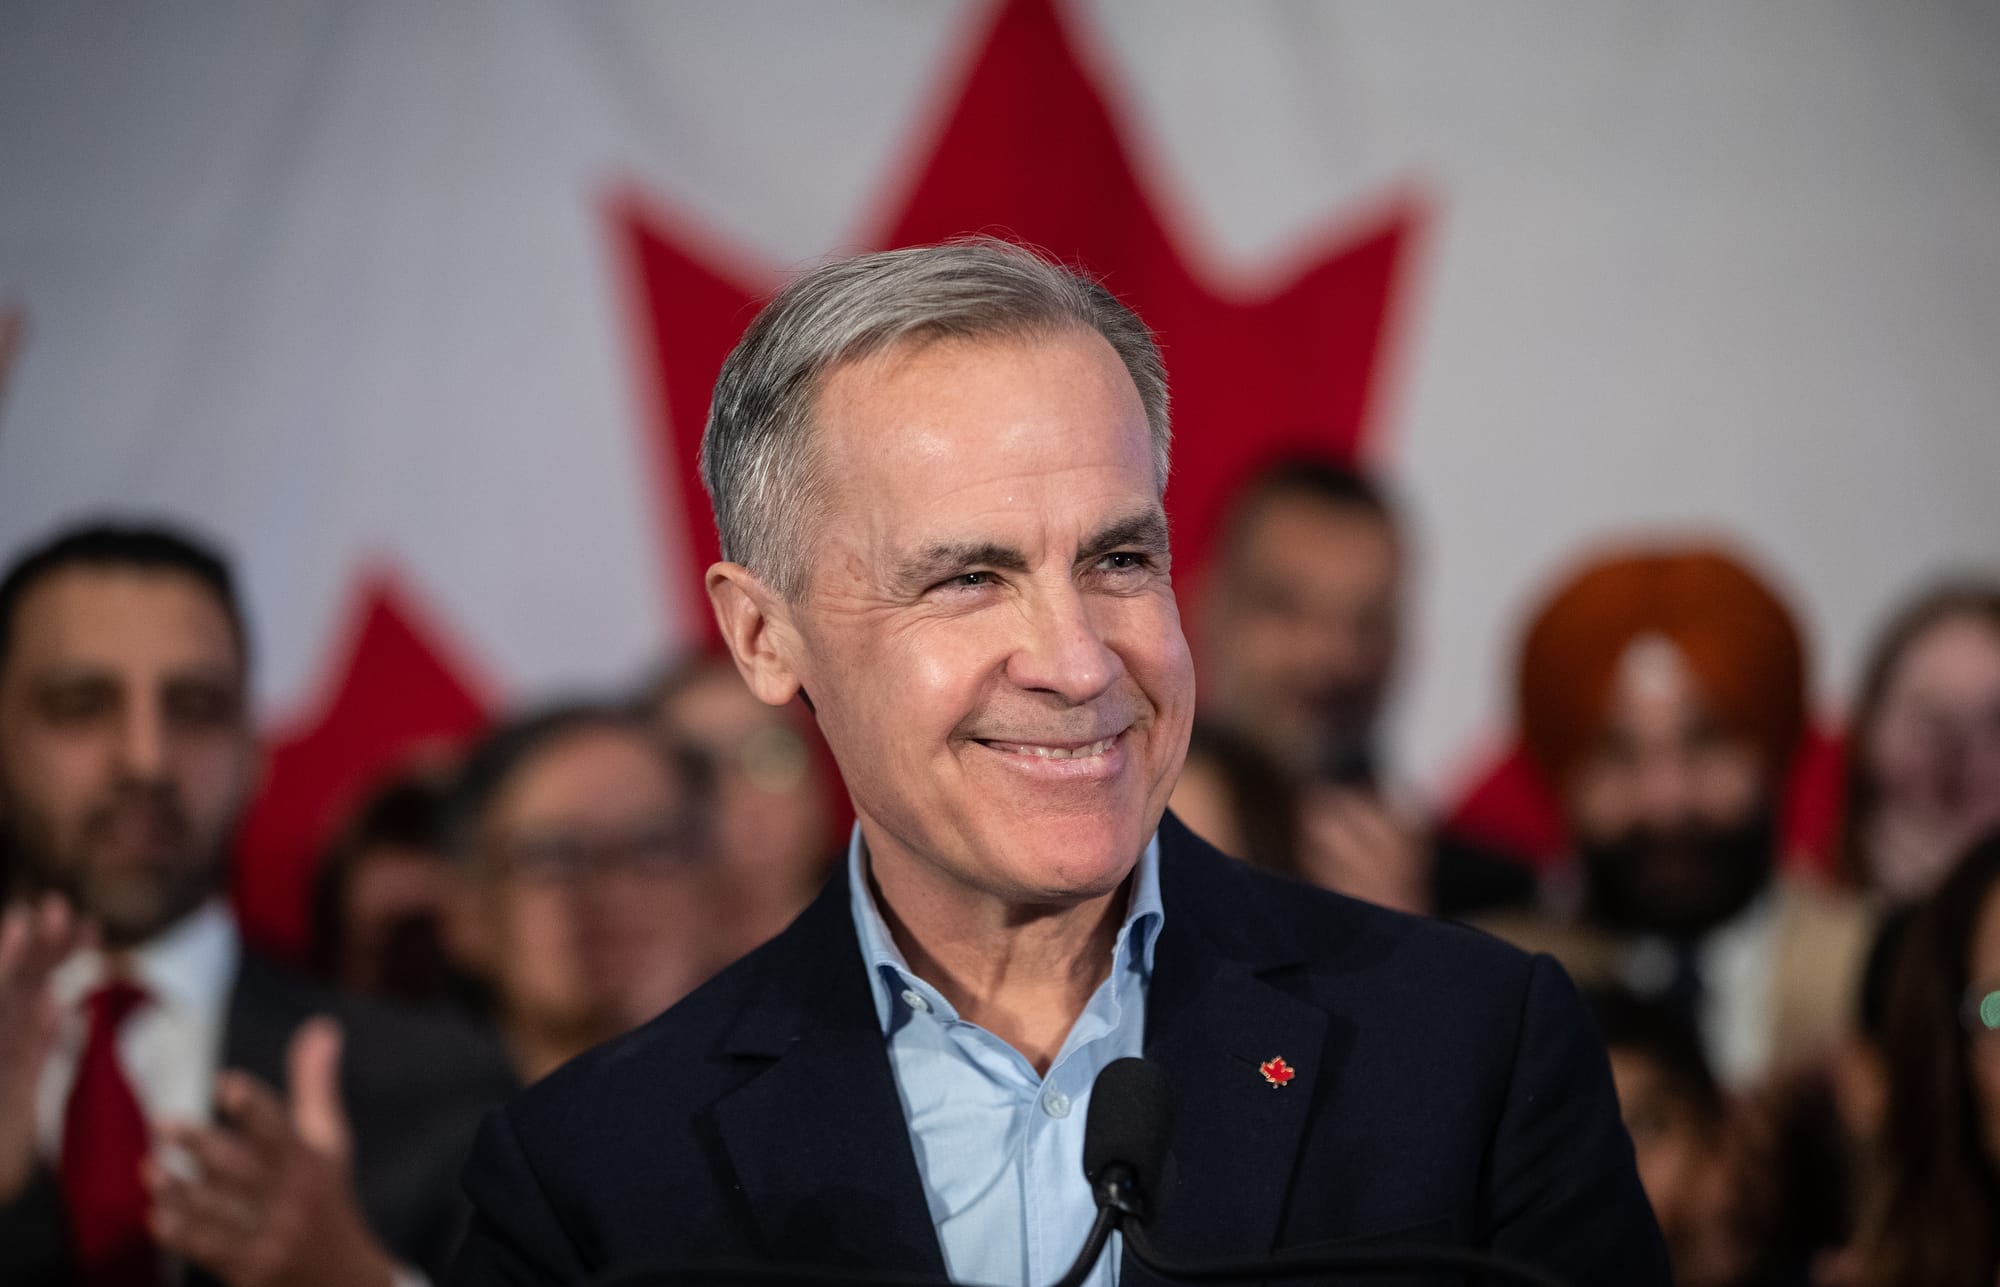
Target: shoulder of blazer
{"type": "Point", "coordinates": [1268, 922]}
{"type": "Point", "coordinates": [809, 976]}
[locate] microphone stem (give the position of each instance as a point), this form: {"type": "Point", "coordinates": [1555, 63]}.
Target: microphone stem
{"type": "Point", "coordinates": [1093, 1247]}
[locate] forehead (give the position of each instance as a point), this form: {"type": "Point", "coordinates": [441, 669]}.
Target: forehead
{"type": "Point", "coordinates": [127, 620]}
{"type": "Point", "coordinates": [1293, 528]}
{"type": "Point", "coordinates": [918, 430]}
{"type": "Point", "coordinates": [1960, 654]}
{"type": "Point", "coordinates": [590, 774]}
{"type": "Point", "coordinates": [1654, 687]}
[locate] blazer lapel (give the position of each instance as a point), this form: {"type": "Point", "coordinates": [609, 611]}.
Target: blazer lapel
{"type": "Point", "coordinates": [266, 1005]}
{"type": "Point", "coordinates": [818, 1140]}
{"type": "Point", "coordinates": [1215, 1022]}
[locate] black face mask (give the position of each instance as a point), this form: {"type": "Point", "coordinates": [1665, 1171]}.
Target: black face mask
{"type": "Point", "coordinates": [1681, 882]}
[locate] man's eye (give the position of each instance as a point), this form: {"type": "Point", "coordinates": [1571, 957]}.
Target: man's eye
{"type": "Point", "coordinates": [201, 707]}
{"type": "Point", "coordinates": [77, 705]}
{"type": "Point", "coordinates": [966, 581]}
{"type": "Point", "coordinates": [1125, 561]}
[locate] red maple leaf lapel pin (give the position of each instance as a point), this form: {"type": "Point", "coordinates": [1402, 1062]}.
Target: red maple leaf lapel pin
{"type": "Point", "coordinates": [1277, 1071]}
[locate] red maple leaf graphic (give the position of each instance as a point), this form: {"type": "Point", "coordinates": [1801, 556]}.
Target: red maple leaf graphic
{"type": "Point", "coordinates": [1277, 1071]}
{"type": "Point", "coordinates": [397, 688]}
{"type": "Point", "coordinates": [1032, 151]}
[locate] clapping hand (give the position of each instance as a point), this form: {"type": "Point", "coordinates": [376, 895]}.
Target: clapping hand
{"type": "Point", "coordinates": [269, 1197]}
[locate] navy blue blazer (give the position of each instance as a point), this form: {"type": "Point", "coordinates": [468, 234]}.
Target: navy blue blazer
{"type": "Point", "coordinates": [1450, 1090]}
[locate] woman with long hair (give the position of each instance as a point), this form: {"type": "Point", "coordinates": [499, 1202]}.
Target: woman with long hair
{"type": "Point", "coordinates": [1931, 1210]}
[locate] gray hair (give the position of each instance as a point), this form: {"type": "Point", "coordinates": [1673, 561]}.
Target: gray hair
{"type": "Point", "coordinates": [758, 461]}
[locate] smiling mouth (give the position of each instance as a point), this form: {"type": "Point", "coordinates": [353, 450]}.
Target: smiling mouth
{"type": "Point", "coordinates": [1043, 751]}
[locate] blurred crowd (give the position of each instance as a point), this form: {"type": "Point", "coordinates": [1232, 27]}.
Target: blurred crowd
{"type": "Point", "coordinates": [1806, 1047]}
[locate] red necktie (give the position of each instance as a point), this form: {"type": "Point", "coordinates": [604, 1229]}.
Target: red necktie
{"type": "Point", "coordinates": [104, 1139]}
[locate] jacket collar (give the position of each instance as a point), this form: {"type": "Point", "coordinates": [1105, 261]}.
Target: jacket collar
{"type": "Point", "coordinates": [820, 1146]}
{"type": "Point", "coordinates": [1217, 1019]}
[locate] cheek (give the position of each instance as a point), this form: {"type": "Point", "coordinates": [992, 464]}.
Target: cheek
{"type": "Point", "coordinates": [1895, 755]}
{"type": "Point", "coordinates": [53, 780]}
{"type": "Point", "coordinates": [1600, 800]}
{"type": "Point", "coordinates": [213, 773]}
{"type": "Point", "coordinates": [1155, 650]}
{"type": "Point", "coordinates": [538, 956]}
{"type": "Point", "coordinates": [1260, 643]}
{"type": "Point", "coordinates": [1727, 782]}
{"type": "Point", "coordinates": [897, 701]}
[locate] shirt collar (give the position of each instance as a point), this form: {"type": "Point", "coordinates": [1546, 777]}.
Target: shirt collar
{"type": "Point", "coordinates": [889, 972]}
{"type": "Point", "coordinates": [187, 968]}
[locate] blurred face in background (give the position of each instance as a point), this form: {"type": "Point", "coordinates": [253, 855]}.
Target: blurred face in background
{"type": "Point", "coordinates": [1933, 753]}
{"type": "Point", "coordinates": [772, 804]}
{"type": "Point", "coordinates": [1301, 625]}
{"type": "Point", "coordinates": [587, 903]}
{"type": "Point", "coordinates": [1670, 810]}
{"type": "Point", "coordinates": [125, 747]}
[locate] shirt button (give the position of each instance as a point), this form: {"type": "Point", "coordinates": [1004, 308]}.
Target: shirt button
{"type": "Point", "coordinates": [1055, 1104]}
{"type": "Point", "coordinates": [915, 1000]}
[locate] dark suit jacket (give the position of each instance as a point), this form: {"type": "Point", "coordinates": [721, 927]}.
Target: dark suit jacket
{"type": "Point", "coordinates": [1449, 1090]}
{"type": "Point", "coordinates": [415, 1084]}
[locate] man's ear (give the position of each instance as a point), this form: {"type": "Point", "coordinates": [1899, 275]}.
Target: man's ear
{"type": "Point", "coordinates": [757, 628]}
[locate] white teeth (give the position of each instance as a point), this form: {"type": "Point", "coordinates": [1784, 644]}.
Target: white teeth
{"type": "Point", "coordinates": [1064, 753]}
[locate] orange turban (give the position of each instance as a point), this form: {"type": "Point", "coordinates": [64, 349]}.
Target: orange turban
{"type": "Point", "coordinates": [1735, 635]}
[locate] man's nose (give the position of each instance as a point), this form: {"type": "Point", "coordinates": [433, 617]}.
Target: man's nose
{"type": "Point", "coordinates": [1666, 787]}
{"type": "Point", "coordinates": [1063, 650]}
{"type": "Point", "coordinates": [142, 743]}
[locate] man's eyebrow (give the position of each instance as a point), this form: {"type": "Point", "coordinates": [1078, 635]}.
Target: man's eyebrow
{"type": "Point", "coordinates": [1146, 531]}
{"type": "Point", "coordinates": [933, 563]}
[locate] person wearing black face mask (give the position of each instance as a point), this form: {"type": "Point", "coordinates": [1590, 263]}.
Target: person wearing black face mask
{"type": "Point", "coordinates": [1663, 699]}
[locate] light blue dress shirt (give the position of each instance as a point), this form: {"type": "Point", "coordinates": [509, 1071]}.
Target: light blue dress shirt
{"type": "Point", "coordinates": [1000, 1147]}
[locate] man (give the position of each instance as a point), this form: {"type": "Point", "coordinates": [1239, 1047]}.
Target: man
{"type": "Point", "coordinates": [1663, 697]}
{"type": "Point", "coordinates": [773, 794]}
{"type": "Point", "coordinates": [938, 475]}
{"type": "Point", "coordinates": [584, 890]}
{"type": "Point", "coordinates": [1302, 623]}
{"type": "Point", "coordinates": [141, 1044]}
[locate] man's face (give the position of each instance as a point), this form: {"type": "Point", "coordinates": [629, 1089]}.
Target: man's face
{"type": "Point", "coordinates": [595, 882]}
{"type": "Point", "coordinates": [1670, 810]}
{"type": "Point", "coordinates": [125, 748]}
{"type": "Point", "coordinates": [990, 638]}
{"type": "Point", "coordinates": [1302, 630]}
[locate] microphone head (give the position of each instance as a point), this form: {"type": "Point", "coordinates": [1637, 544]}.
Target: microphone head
{"type": "Point", "coordinates": [1131, 1121]}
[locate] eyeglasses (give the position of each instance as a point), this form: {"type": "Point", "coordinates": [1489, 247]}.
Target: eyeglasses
{"type": "Point", "coordinates": [773, 759]}
{"type": "Point", "coordinates": [562, 857]}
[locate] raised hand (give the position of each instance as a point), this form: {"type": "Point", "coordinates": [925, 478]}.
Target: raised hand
{"type": "Point", "coordinates": [1353, 842]}
{"type": "Point", "coordinates": [269, 1198]}
{"type": "Point", "coordinates": [34, 939]}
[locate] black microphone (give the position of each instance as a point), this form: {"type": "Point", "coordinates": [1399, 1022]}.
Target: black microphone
{"type": "Point", "coordinates": [1124, 1151]}
{"type": "Point", "coordinates": [1125, 1140]}
{"type": "Point", "coordinates": [1126, 1133]}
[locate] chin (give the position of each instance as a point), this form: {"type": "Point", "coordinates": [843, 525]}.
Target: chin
{"type": "Point", "coordinates": [1074, 859]}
